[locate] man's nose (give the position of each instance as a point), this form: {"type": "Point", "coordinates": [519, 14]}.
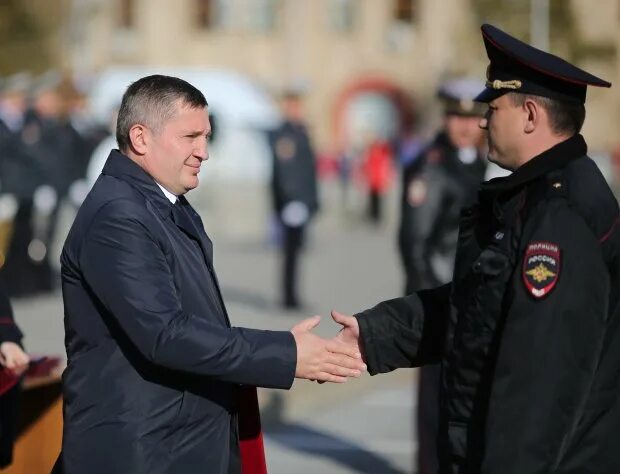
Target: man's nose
{"type": "Point", "coordinates": [202, 151]}
{"type": "Point", "coordinates": [483, 123]}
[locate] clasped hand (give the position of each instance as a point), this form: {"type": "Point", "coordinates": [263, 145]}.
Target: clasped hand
{"type": "Point", "coordinates": [328, 360]}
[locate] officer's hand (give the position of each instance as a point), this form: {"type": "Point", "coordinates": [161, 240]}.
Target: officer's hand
{"type": "Point", "coordinates": [13, 358]}
{"type": "Point", "coordinates": [350, 332]}
{"type": "Point", "coordinates": [321, 359]}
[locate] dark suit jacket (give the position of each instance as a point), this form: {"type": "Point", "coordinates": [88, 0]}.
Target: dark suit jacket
{"type": "Point", "coordinates": [154, 366]}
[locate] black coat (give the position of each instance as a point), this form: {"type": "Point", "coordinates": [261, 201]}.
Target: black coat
{"type": "Point", "coordinates": [528, 332]}
{"type": "Point", "coordinates": [154, 366]}
{"type": "Point", "coordinates": [20, 173]}
{"type": "Point", "coordinates": [436, 186]}
{"type": "Point", "coordinates": [56, 148]}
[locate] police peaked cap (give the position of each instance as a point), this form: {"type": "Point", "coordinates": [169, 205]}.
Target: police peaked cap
{"type": "Point", "coordinates": [458, 96]}
{"type": "Point", "coordinates": [518, 67]}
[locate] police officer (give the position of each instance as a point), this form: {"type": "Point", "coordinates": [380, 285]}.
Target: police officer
{"type": "Point", "coordinates": [57, 149]}
{"type": "Point", "coordinates": [528, 331]}
{"type": "Point", "coordinates": [293, 188]}
{"type": "Point", "coordinates": [437, 185]}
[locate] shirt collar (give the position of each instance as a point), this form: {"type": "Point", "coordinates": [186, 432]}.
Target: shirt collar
{"type": "Point", "coordinates": [171, 197]}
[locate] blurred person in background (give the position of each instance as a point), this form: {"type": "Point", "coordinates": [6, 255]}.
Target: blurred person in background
{"type": "Point", "coordinates": [13, 363]}
{"type": "Point", "coordinates": [528, 330]}
{"type": "Point", "coordinates": [20, 176]}
{"type": "Point", "coordinates": [378, 174]}
{"type": "Point", "coordinates": [294, 189]}
{"type": "Point", "coordinates": [58, 149]}
{"type": "Point", "coordinates": [436, 185]}
{"type": "Point", "coordinates": [156, 375]}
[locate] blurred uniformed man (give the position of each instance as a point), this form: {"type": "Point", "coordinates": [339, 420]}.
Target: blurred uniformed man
{"type": "Point", "coordinates": [528, 330]}
{"type": "Point", "coordinates": [56, 148]}
{"type": "Point", "coordinates": [293, 188]}
{"type": "Point", "coordinates": [437, 185]}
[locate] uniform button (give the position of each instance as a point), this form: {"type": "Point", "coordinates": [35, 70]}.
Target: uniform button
{"type": "Point", "coordinates": [477, 266]}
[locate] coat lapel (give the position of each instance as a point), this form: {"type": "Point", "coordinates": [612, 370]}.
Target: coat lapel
{"type": "Point", "coordinates": [187, 220]}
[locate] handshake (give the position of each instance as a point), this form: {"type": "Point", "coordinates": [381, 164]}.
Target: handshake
{"type": "Point", "coordinates": [328, 360]}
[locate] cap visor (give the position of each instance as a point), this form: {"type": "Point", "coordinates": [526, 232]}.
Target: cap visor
{"type": "Point", "coordinates": [489, 94]}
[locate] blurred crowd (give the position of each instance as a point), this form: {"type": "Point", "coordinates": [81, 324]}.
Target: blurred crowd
{"type": "Point", "coordinates": [46, 138]}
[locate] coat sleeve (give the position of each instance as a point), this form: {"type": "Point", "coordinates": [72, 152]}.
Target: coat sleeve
{"type": "Point", "coordinates": [549, 348]}
{"type": "Point", "coordinates": [406, 332]}
{"type": "Point", "coordinates": [126, 268]}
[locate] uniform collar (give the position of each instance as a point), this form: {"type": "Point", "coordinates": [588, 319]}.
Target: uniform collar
{"type": "Point", "coordinates": [122, 167]}
{"type": "Point", "coordinates": [554, 158]}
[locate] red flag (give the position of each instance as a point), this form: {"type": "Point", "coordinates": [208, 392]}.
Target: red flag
{"type": "Point", "coordinates": [250, 434]}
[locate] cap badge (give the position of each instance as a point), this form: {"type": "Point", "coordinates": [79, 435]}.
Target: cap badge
{"type": "Point", "coordinates": [497, 84]}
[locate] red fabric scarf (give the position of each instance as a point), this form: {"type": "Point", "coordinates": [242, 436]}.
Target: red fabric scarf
{"type": "Point", "coordinates": [250, 434]}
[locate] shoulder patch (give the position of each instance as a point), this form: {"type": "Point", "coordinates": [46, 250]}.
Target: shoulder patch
{"type": "Point", "coordinates": [285, 148]}
{"type": "Point", "coordinates": [541, 268]}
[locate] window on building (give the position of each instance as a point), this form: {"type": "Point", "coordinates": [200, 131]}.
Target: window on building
{"type": "Point", "coordinates": [406, 11]}
{"type": "Point", "coordinates": [342, 15]}
{"type": "Point", "coordinates": [213, 13]}
{"type": "Point", "coordinates": [204, 13]}
{"type": "Point", "coordinates": [126, 17]}
{"type": "Point", "coordinates": [263, 14]}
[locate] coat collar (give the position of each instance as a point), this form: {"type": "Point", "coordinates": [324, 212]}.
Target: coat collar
{"type": "Point", "coordinates": [554, 158]}
{"type": "Point", "coordinates": [120, 166]}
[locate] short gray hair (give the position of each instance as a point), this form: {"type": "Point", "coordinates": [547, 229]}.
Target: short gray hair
{"type": "Point", "coordinates": [152, 101]}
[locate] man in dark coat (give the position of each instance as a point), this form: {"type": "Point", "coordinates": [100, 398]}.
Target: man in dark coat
{"type": "Point", "coordinates": [528, 331]}
{"type": "Point", "coordinates": [437, 185]}
{"type": "Point", "coordinates": [155, 371]}
{"type": "Point", "coordinates": [13, 362]}
{"type": "Point", "coordinates": [293, 188]}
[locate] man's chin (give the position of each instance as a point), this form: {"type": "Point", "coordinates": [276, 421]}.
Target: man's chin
{"type": "Point", "coordinates": [498, 163]}
{"type": "Point", "coordinates": [192, 184]}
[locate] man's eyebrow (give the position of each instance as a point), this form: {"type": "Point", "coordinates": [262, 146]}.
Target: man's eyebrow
{"type": "Point", "coordinates": [197, 133]}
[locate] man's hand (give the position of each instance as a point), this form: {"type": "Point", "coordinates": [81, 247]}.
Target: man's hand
{"type": "Point", "coordinates": [13, 358]}
{"type": "Point", "coordinates": [324, 360]}
{"type": "Point", "coordinates": [350, 332]}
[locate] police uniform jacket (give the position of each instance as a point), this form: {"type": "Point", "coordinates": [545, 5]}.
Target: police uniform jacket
{"type": "Point", "coordinates": [154, 366]}
{"type": "Point", "coordinates": [294, 167]}
{"type": "Point", "coordinates": [528, 331]}
{"type": "Point", "coordinates": [436, 186]}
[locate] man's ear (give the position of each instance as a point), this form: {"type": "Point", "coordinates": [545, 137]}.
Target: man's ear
{"type": "Point", "coordinates": [138, 139]}
{"type": "Point", "coordinates": [533, 115]}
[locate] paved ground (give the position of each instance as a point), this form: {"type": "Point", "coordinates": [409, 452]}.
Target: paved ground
{"type": "Point", "coordinates": [364, 426]}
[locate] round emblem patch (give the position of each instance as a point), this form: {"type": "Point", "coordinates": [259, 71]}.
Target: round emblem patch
{"type": "Point", "coordinates": [285, 148]}
{"type": "Point", "coordinates": [541, 268]}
